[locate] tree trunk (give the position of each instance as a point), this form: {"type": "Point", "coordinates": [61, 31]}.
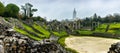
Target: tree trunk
{"type": "Point", "coordinates": [107, 28]}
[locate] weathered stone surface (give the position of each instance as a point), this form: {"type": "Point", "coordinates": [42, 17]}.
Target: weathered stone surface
{"type": "Point", "coordinates": [4, 26]}
{"type": "Point", "coordinates": [13, 42]}
{"type": "Point", "coordinates": [115, 48]}
{"type": "Point", "coordinates": [15, 22]}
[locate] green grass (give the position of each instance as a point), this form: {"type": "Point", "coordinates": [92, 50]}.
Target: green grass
{"type": "Point", "coordinates": [86, 32]}
{"type": "Point", "coordinates": [63, 33]}
{"type": "Point", "coordinates": [26, 33]}
{"type": "Point", "coordinates": [101, 28]}
{"type": "Point", "coordinates": [114, 25]}
{"type": "Point", "coordinates": [114, 28]}
{"type": "Point", "coordinates": [28, 28]}
{"type": "Point", "coordinates": [62, 41]}
{"type": "Point", "coordinates": [72, 50]}
{"type": "Point", "coordinates": [40, 29]}
{"type": "Point", "coordinates": [43, 33]}
{"type": "Point", "coordinates": [60, 34]}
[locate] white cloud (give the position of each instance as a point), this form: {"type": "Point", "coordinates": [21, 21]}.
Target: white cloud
{"type": "Point", "coordinates": [62, 9]}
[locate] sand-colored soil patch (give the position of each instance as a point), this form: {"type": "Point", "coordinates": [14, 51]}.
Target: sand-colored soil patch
{"type": "Point", "coordinates": [90, 44]}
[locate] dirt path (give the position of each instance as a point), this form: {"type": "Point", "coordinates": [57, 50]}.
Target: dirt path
{"type": "Point", "coordinates": [89, 44]}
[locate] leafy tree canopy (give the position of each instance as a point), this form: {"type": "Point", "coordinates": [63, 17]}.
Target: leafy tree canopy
{"type": "Point", "coordinates": [1, 9]}
{"type": "Point", "coordinates": [12, 10]}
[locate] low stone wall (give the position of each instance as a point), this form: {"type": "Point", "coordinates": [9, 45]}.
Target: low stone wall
{"type": "Point", "coordinates": [98, 34]}
{"type": "Point", "coordinates": [107, 35]}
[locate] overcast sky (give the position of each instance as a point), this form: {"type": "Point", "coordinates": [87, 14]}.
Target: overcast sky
{"type": "Point", "coordinates": [63, 9]}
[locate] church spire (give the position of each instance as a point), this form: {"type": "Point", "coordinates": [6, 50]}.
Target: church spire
{"type": "Point", "coordinates": [74, 14]}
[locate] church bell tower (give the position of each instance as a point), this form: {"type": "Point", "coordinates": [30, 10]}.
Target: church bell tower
{"type": "Point", "coordinates": [74, 14]}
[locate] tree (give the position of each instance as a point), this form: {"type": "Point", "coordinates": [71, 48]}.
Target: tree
{"type": "Point", "coordinates": [116, 17]}
{"type": "Point", "coordinates": [87, 21]}
{"type": "Point", "coordinates": [1, 9]}
{"type": "Point", "coordinates": [108, 19]}
{"type": "Point", "coordinates": [24, 9]}
{"type": "Point", "coordinates": [28, 11]}
{"type": "Point", "coordinates": [99, 19]}
{"type": "Point", "coordinates": [32, 11]}
{"type": "Point", "coordinates": [11, 10]}
{"type": "Point", "coordinates": [107, 28]}
{"type": "Point", "coordinates": [95, 17]}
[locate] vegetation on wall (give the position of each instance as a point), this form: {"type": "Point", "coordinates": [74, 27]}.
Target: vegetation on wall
{"type": "Point", "coordinates": [2, 9]}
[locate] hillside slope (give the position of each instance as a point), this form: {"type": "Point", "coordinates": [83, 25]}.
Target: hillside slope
{"type": "Point", "coordinates": [33, 29]}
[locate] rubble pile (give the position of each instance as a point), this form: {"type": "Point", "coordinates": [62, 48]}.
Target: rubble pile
{"type": "Point", "coordinates": [13, 42]}
{"type": "Point", "coordinates": [115, 48]}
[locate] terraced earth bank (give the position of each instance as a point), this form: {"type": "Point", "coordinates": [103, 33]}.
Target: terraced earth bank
{"type": "Point", "coordinates": [90, 44]}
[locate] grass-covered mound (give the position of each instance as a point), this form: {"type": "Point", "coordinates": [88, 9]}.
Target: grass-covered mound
{"type": "Point", "coordinates": [85, 32]}
{"type": "Point", "coordinates": [27, 34]}
{"type": "Point", "coordinates": [62, 42]}
{"type": "Point", "coordinates": [114, 28]}
{"type": "Point", "coordinates": [34, 31]}
{"type": "Point", "coordinates": [60, 34]}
